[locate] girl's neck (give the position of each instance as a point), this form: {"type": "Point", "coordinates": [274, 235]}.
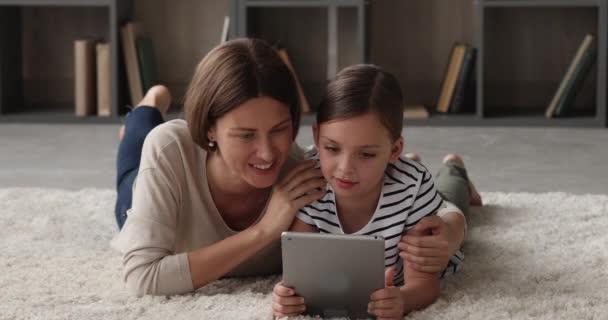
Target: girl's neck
{"type": "Point", "coordinates": [355, 212]}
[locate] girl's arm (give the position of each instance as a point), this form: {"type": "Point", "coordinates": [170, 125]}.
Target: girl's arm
{"type": "Point", "coordinates": [421, 289]}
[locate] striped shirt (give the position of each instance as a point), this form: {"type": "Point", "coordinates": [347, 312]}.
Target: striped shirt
{"type": "Point", "coordinates": [408, 195]}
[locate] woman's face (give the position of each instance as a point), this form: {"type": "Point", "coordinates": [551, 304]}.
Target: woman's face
{"type": "Point", "coordinates": [254, 140]}
{"type": "Point", "coordinates": [354, 154]}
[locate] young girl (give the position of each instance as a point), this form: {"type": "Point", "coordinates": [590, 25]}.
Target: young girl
{"type": "Point", "coordinates": [372, 189]}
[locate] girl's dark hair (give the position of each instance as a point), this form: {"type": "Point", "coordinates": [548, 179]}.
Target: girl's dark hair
{"type": "Point", "coordinates": [231, 74]}
{"type": "Point", "coordinates": [363, 88]}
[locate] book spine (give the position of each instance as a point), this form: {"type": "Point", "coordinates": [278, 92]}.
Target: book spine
{"type": "Point", "coordinates": [104, 108]}
{"type": "Point", "coordinates": [147, 62]}
{"type": "Point", "coordinates": [129, 32]}
{"type": "Point", "coordinates": [449, 80]}
{"type": "Point", "coordinates": [575, 85]}
{"type": "Point", "coordinates": [457, 104]}
{"type": "Point", "coordinates": [550, 112]}
{"type": "Point", "coordinates": [84, 77]}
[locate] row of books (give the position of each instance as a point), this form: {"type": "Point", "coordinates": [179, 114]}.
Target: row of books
{"type": "Point", "coordinates": [457, 93]}
{"type": "Point", "coordinates": [458, 88]}
{"type": "Point", "coordinates": [92, 71]}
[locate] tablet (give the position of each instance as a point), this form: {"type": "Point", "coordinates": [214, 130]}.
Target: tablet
{"type": "Point", "coordinates": [335, 274]}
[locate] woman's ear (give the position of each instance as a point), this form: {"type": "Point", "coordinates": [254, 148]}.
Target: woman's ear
{"type": "Point", "coordinates": [315, 134]}
{"type": "Point", "coordinates": [211, 135]}
{"type": "Point", "coordinates": [396, 150]}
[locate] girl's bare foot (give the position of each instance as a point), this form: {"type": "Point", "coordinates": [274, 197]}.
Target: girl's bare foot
{"type": "Point", "coordinates": [474, 197]}
{"type": "Point", "coordinates": [158, 97]}
{"type": "Point", "coordinates": [413, 156]}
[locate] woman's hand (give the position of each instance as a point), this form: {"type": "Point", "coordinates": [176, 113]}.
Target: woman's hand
{"type": "Point", "coordinates": [302, 185]}
{"type": "Point", "coordinates": [285, 302]}
{"type": "Point", "coordinates": [387, 303]}
{"type": "Point", "coordinates": [426, 247]}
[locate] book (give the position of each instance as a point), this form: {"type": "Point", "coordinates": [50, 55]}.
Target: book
{"type": "Point", "coordinates": [559, 94]}
{"type": "Point", "coordinates": [225, 29]}
{"type": "Point", "coordinates": [304, 106]}
{"type": "Point", "coordinates": [84, 77]}
{"type": "Point", "coordinates": [574, 87]}
{"type": "Point", "coordinates": [104, 105]}
{"type": "Point", "coordinates": [129, 33]}
{"type": "Point", "coordinates": [415, 112]}
{"type": "Point", "coordinates": [450, 78]}
{"type": "Point", "coordinates": [147, 62]}
{"type": "Point", "coordinates": [464, 83]}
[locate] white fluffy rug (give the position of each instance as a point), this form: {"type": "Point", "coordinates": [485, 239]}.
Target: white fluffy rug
{"type": "Point", "coordinates": [527, 256]}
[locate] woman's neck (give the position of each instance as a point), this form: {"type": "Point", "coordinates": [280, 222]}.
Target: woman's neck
{"type": "Point", "coordinates": [239, 203]}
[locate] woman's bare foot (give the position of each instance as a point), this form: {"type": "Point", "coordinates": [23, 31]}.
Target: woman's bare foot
{"type": "Point", "coordinates": [474, 197]}
{"type": "Point", "coordinates": [413, 156]}
{"type": "Point", "coordinates": [158, 97]}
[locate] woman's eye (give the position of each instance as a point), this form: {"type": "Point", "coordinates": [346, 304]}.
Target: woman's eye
{"type": "Point", "coordinates": [246, 136]}
{"type": "Point", "coordinates": [367, 155]}
{"type": "Point", "coordinates": [279, 130]}
{"type": "Point", "coordinates": [331, 149]}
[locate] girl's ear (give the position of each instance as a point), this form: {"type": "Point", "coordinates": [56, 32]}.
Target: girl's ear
{"type": "Point", "coordinates": [396, 150]}
{"type": "Point", "coordinates": [315, 134]}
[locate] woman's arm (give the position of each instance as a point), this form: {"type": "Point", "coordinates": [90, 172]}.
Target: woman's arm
{"type": "Point", "coordinates": [431, 243]}
{"type": "Point", "coordinates": [147, 240]}
{"type": "Point", "coordinates": [295, 190]}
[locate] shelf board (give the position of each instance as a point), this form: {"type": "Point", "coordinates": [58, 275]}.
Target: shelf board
{"type": "Point", "coordinates": [56, 117]}
{"type": "Point", "coordinates": [540, 3]}
{"type": "Point", "coordinates": [468, 120]}
{"type": "Point", "coordinates": [302, 3]}
{"type": "Point", "coordinates": [44, 3]}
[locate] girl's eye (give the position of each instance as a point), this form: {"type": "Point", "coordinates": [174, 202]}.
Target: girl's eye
{"type": "Point", "coordinates": [367, 155]}
{"type": "Point", "coordinates": [331, 149]}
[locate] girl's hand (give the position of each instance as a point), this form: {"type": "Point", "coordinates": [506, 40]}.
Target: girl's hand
{"type": "Point", "coordinates": [302, 185]}
{"type": "Point", "coordinates": [387, 303]}
{"type": "Point", "coordinates": [285, 302]}
{"type": "Point", "coordinates": [426, 247]}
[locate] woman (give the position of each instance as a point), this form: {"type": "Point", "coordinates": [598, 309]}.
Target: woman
{"type": "Point", "coordinates": [214, 192]}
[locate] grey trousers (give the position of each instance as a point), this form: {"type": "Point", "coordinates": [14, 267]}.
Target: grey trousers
{"type": "Point", "coordinates": [452, 183]}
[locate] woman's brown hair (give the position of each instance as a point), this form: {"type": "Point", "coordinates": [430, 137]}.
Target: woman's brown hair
{"type": "Point", "coordinates": [363, 88]}
{"type": "Point", "coordinates": [231, 74]}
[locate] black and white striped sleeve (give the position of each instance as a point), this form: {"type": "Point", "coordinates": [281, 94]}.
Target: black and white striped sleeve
{"type": "Point", "coordinates": [427, 201]}
{"type": "Point", "coordinates": [305, 217]}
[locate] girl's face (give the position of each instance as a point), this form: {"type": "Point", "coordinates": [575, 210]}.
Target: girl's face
{"type": "Point", "coordinates": [354, 154]}
{"type": "Point", "coordinates": [254, 141]}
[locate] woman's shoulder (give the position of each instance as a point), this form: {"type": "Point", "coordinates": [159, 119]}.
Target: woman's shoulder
{"type": "Point", "coordinates": [171, 140]}
{"type": "Point", "coordinates": [174, 131]}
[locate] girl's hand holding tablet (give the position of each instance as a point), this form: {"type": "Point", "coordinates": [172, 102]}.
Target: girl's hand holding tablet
{"type": "Point", "coordinates": [387, 303]}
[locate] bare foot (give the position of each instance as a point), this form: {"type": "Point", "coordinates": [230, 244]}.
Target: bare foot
{"type": "Point", "coordinates": [474, 196]}
{"type": "Point", "coordinates": [158, 97]}
{"type": "Point", "coordinates": [413, 156]}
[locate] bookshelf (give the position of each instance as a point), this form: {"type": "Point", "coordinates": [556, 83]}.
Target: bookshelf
{"type": "Point", "coordinates": [340, 31]}
{"type": "Point", "coordinates": [524, 49]}
{"type": "Point", "coordinates": [36, 56]}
